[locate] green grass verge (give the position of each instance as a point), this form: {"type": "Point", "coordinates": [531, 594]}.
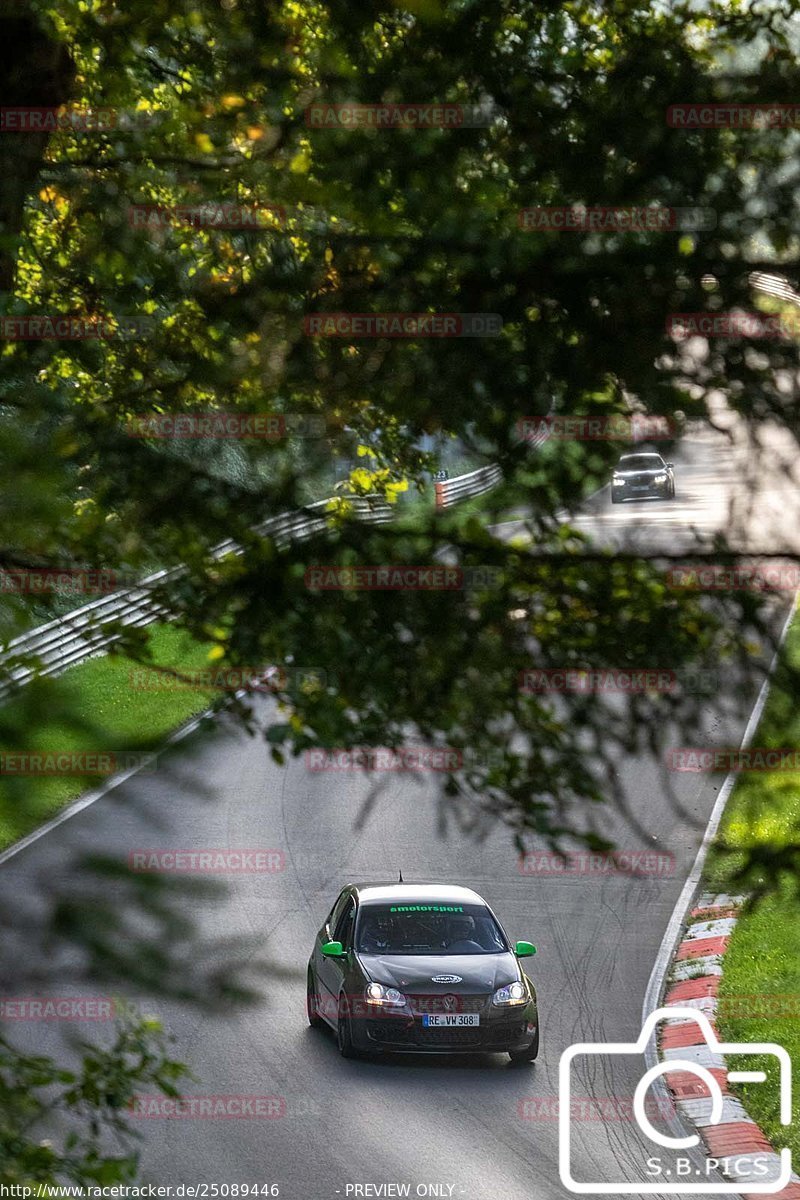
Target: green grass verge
{"type": "Point", "coordinates": [92, 706]}
{"type": "Point", "coordinates": [761, 978]}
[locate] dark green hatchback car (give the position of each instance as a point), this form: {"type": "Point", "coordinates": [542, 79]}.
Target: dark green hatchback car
{"type": "Point", "coordinates": [421, 968]}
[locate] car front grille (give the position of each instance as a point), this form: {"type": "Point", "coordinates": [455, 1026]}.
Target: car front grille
{"type": "Point", "coordinates": [397, 1033]}
{"type": "Point", "coordinates": [413, 1034]}
{"type": "Point", "coordinates": [508, 1031]}
{"type": "Point", "coordinates": [447, 1002]}
{"type": "Point", "coordinates": [641, 480]}
{"type": "Point", "coordinates": [451, 1037]}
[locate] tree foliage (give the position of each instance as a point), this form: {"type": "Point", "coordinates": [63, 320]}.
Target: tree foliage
{"type": "Point", "coordinates": [211, 101]}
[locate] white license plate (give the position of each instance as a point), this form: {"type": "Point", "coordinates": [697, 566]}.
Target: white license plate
{"type": "Point", "coordinates": [450, 1019]}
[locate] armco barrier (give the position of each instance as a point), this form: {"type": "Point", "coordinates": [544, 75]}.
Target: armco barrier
{"type": "Point", "coordinates": [773, 285]}
{"type": "Point", "coordinates": [475, 483]}
{"type": "Point", "coordinates": [51, 648]}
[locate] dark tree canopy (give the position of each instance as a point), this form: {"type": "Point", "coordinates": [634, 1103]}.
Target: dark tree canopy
{"type": "Point", "coordinates": [212, 102]}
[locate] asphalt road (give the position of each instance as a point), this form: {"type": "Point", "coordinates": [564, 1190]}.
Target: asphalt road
{"type": "Point", "coordinates": [476, 1128]}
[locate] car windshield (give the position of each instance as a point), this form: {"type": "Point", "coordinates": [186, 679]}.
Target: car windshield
{"type": "Point", "coordinates": [440, 929]}
{"type": "Point", "coordinates": [641, 462]}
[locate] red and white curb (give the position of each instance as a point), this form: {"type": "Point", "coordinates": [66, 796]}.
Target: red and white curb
{"type": "Point", "coordinates": [693, 982]}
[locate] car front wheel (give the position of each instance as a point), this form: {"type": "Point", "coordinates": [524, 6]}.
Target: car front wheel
{"type": "Point", "coordinates": [314, 1019]}
{"type": "Point", "coordinates": [519, 1057]}
{"type": "Point", "coordinates": [344, 1034]}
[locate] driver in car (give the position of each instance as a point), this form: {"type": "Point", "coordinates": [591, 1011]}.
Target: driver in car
{"type": "Point", "coordinates": [461, 936]}
{"type": "Point", "coordinates": [376, 935]}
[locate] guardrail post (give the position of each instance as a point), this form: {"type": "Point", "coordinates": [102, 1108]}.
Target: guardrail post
{"type": "Point", "coordinates": [441, 498]}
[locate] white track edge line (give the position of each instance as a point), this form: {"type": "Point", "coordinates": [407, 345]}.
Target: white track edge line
{"type": "Point", "coordinates": [89, 798]}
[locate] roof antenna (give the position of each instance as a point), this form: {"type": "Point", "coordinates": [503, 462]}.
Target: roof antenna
{"type": "Point", "coordinates": [400, 880]}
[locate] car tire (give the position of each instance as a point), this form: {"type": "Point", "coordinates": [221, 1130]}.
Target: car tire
{"type": "Point", "coordinates": [520, 1057]}
{"type": "Point", "coordinates": [314, 1019]}
{"type": "Point", "coordinates": [615, 499]}
{"type": "Point", "coordinates": [344, 1033]}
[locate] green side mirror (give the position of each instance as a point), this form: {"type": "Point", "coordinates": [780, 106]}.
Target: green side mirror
{"type": "Point", "coordinates": [333, 950]}
{"type": "Point", "coordinates": [522, 949]}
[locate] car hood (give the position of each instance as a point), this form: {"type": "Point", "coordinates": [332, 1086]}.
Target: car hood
{"type": "Point", "coordinates": [640, 471]}
{"type": "Point", "coordinates": [414, 973]}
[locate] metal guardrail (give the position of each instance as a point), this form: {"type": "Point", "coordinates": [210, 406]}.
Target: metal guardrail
{"type": "Point", "coordinates": [475, 483]}
{"type": "Point", "coordinates": [51, 648]}
{"type": "Point", "coordinates": [69, 640]}
{"type": "Point", "coordinates": [773, 285]}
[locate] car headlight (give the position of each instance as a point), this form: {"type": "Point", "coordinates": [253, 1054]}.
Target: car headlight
{"type": "Point", "coordinates": [512, 993]}
{"type": "Point", "coordinates": [618, 480]}
{"type": "Point", "coordinates": [660, 479]}
{"type": "Point", "coordinates": [376, 993]}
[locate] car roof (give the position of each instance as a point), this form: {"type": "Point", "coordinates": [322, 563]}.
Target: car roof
{"type": "Point", "coordinates": [641, 454]}
{"type": "Point", "coordinates": [415, 893]}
